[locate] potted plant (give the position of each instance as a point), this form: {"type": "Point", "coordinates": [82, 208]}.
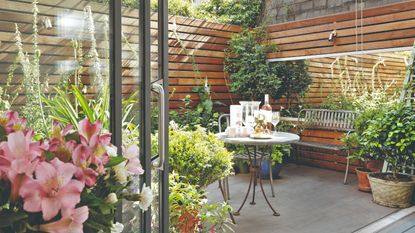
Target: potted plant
{"type": "Point", "coordinates": [352, 143]}
{"type": "Point", "coordinates": [390, 136]}
{"type": "Point", "coordinates": [279, 152]}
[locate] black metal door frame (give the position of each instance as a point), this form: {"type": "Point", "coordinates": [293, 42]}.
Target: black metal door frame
{"type": "Point", "coordinates": [145, 95]}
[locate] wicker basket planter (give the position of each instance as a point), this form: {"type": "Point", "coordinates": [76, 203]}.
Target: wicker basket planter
{"type": "Point", "coordinates": [391, 193]}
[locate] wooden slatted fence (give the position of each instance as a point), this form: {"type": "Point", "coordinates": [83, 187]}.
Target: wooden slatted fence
{"type": "Point", "coordinates": [386, 27]}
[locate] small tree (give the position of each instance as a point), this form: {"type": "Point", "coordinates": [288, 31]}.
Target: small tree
{"type": "Point", "coordinates": [294, 77]}
{"type": "Point", "coordinates": [250, 73]}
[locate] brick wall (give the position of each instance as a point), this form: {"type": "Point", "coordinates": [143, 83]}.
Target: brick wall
{"type": "Point", "coordinates": [278, 11]}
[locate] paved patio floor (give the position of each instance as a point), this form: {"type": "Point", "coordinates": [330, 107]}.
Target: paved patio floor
{"type": "Point", "coordinates": [310, 200]}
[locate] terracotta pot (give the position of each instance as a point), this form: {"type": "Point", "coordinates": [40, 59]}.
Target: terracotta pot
{"type": "Point", "coordinates": [363, 180]}
{"type": "Point", "coordinates": [397, 194]}
{"type": "Point", "coordinates": [374, 165]}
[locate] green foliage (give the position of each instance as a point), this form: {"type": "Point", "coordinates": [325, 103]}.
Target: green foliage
{"type": "Point", "coordinates": [189, 211]}
{"type": "Point", "coordinates": [279, 152]}
{"type": "Point", "coordinates": [202, 115]}
{"type": "Point", "coordinates": [390, 136]}
{"type": "Point", "coordinates": [294, 77]}
{"type": "Point", "coordinates": [33, 83]}
{"type": "Point", "coordinates": [71, 106]}
{"type": "Point", "coordinates": [361, 91]}
{"type": "Point", "coordinates": [178, 7]}
{"type": "Point", "coordinates": [241, 12]}
{"type": "Point", "coordinates": [251, 74]}
{"type": "Point", "coordinates": [336, 102]}
{"type": "Point", "coordinates": [198, 156]}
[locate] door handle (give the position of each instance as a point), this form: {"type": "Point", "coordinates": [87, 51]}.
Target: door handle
{"type": "Point", "coordinates": [159, 164]}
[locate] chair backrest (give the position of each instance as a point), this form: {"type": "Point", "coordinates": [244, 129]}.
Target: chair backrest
{"type": "Point", "coordinates": [220, 119]}
{"type": "Point", "coordinates": [339, 120]}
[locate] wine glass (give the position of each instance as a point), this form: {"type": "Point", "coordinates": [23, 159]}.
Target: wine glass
{"type": "Point", "coordinates": [275, 119]}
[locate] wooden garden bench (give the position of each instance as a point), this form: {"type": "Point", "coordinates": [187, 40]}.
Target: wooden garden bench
{"type": "Point", "coordinates": [319, 128]}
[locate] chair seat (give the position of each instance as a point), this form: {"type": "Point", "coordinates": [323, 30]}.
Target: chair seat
{"type": "Point", "coordinates": [320, 145]}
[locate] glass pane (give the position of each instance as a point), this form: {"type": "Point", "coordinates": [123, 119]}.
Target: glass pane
{"type": "Point", "coordinates": [54, 58]}
{"type": "Point", "coordinates": [131, 86]}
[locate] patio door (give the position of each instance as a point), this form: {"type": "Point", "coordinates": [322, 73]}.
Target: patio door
{"type": "Point", "coordinates": [139, 72]}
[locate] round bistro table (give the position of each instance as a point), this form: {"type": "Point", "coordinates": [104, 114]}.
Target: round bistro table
{"type": "Point", "coordinates": [254, 167]}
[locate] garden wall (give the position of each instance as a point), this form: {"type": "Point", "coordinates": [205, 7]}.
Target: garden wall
{"type": "Point", "coordinates": [279, 11]}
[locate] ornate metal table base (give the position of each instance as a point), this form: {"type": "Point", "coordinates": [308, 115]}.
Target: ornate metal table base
{"type": "Point", "coordinates": [254, 169]}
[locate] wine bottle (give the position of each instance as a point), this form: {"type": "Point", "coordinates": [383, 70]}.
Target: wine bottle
{"type": "Point", "coordinates": [267, 110]}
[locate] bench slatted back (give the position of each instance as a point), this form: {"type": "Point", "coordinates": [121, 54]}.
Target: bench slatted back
{"type": "Point", "coordinates": [339, 120]}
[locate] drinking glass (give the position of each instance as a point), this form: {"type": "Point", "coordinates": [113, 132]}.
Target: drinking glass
{"type": "Point", "coordinates": [275, 119]}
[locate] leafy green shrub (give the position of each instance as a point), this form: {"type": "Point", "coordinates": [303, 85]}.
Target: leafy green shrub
{"type": "Point", "coordinates": [241, 12]}
{"type": "Point", "coordinates": [189, 211]}
{"type": "Point", "coordinates": [294, 77]}
{"type": "Point", "coordinates": [390, 136]}
{"type": "Point", "coordinates": [202, 115]}
{"type": "Point", "coordinates": [250, 73]}
{"type": "Point", "coordinates": [199, 157]}
{"type": "Point", "coordinates": [279, 152]}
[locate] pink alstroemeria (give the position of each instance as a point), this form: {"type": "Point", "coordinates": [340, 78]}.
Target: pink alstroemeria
{"type": "Point", "coordinates": [133, 165]}
{"type": "Point", "coordinates": [52, 190]}
{"type": "Point", "coordinates": [19, 156]}
{"type": "Point", "coordinates": [11, 122]}
{"type": "Point", "coordinates": [81, 157]}
{"type": "Point", "coordinates": [90, 135]}
{"type": "Point", "coordinates": [58, 145]}
{"type": "Point", "coordinates": [71, 222]}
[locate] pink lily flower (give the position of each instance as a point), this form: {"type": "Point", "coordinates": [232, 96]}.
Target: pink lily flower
{"type": "Point", "coordinates": [90, 136]}
{"type": "Point", "coordinates": [133, 165]}
{"type": "Point", "coordinates": [52, 190]}
{"type": "Point", "coordinates": [11, 122]}
{"type": "Point", "coordinates": [81, 157]}
{"type": "Point", "coordinates": [19, 157]}
{"type": "Point", "coordinates": [71, 222]}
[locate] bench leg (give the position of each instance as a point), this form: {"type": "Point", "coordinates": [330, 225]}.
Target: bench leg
{"type": "Point", "coordinates": [346, 173]}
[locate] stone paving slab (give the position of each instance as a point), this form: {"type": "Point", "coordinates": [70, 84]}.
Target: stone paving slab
{"type": "Point", "coordinates": [310, 200]}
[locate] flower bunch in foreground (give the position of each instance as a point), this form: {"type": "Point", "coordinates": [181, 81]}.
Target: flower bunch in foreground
{"type": "Point", "coordinates": [68, 183]}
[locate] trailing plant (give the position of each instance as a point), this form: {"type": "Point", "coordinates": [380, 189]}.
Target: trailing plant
{"type": "Point", "coordinates": [250, 73]}
{"type": "Point", "coordinates": [390, 136]}
{"type": "Point", "coordinates": [241, 12]}
{"type": "Point", "coordinates": [199, 157]}
{"type": "Point", "coordinates": [190, 212]}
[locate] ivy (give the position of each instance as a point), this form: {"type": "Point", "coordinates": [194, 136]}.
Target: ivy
{"type": "Point", "coordinates": [240, 12]}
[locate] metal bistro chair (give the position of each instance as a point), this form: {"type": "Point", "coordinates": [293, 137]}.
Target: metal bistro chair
{"type": "Point", "coordinates": [224, 184]}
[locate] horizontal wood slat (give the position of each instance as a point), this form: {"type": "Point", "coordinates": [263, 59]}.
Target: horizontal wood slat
{"type": "Point", "coordinates": [204, 44]}
{"type": "Point", "coordinates": [384, 27]}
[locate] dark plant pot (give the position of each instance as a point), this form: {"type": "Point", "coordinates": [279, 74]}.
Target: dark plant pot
{"type": "Point", "coordinates": [363, 180]}
{"type": "Point", "coordinates": [276, 169]}
{"type": "Point", "coordinates": [374, 165]}
{"type": "Point", "coordinates": [392, 193]}
{"type": "Point", "coordinates": [242, 166]}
